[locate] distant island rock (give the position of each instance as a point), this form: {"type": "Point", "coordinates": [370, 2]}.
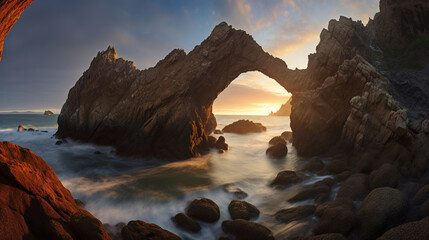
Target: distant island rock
{"type": "Point", "coordinates": [284, 110]}
{"type": "Point", "coordinates": [47, 112]}
{"type": "Point", "coordinates": [243, 127]}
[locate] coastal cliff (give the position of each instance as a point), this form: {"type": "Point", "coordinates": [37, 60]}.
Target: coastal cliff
{"type": "Point", "coordinates": [285, 109]}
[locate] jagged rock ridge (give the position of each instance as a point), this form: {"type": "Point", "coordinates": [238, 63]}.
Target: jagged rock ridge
{"type": "Point", "coordinates": [285, 109]}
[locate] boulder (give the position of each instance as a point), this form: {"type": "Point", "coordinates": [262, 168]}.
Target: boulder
{"type": "Point", "coordinates": [343, 203]}
{"type": "Point", "coordinates": [244, 230]}
{"type": "Point", "coordinates": [287, 135]}
{"type": "Point", "coordinates": [244, 127]}
{"type": "Point", "coordinates": [285, 178]}
{"type": "Point", "coordinates": [382, 207]}
{"type": "Point", "coordinates": [220, 144]}
{"type": "Point", "coordinates": [204, 210]}
{"type": "Point", "coordinates": [335, 220]}
{"type": "Point", "coordinates": [185, 222]}
{"type": "Point", "coordinates": [412, 230]}
{"type": "Point", "coordinates": [422, 195]}
{"type": "Point", "coordinates": [340, 177]}
{"type": "Point", "coordinates": [136, 230]}
{"type": "Point", "coordinates": [35, 204]}
{"type": "Point", "coordinates": [295, 213]}
{"type": "Point", "coordinates": [355, 187]}
{"type": "Point", "coordinates": [386, 176]}
{"type": "Point", "coordinates": [242, 210]}
{"type": "Point", "coordinates": [317, 189]}
{"type": "Point", "coordinates": [337, 166]}
{"type": "Point", "coordinates": [277, 151]}
{"type": "Point", "coordinates": [115, 231]}
{"type": "Point", "coordinates": [277, 140]}
{"type": "Point", "coordinates": [314, 165]}
{"type": "Point", "coordinates": [409, 189]}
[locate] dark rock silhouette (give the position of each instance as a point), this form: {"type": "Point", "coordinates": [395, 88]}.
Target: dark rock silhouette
{"type": "Point", "coordinates": [35, 205]}
{"type": "Point", "coordinates": [10, 11]}
{"type": "Point", "coordinates": [285, 109]}
{"type": "Point", "coordinates": [47, 112]}
{"type": "Point", "coordinates": [243, 127]}
{"type": "Point", "coordinates": [136, 230]}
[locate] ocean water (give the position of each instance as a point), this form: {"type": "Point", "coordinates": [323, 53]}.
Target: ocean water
{"type": "Point", "coordinates": [117, 189]}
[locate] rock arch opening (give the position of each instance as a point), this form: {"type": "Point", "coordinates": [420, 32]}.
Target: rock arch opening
{"type": "Point", "coordinates": [251, 93]}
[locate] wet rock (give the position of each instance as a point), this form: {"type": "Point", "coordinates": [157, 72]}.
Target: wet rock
{"type": "Point", "coordinates": [217, 131]}
{"type": "Point", "coordinates": [355, 187]}
{"type": "Point", "coordinates": [314, 165]}
{"type": "Point", "coordinates": [409, 189]}
{"type": "Point", "coordinates": [242, 210]}
{"type": "Point", "coordinates": [412, 230]}
{"type": "Point", "coordinates": [337, 166]}
{"type": "Point", "coordinates": [244, 127]}
{"type": "Point", "coordinates": [21, 128]}
{"type": "Point", "coordinates": [335, 220]}
{"type": "Point", "coordinates": [344, 203]}
{"type": "Point", "coordinates": [285, 178]}
{"type": "Point", "coordinates": [287, 135]}
{"type": "Point", "coordinates": [318, 188]}
{"type": "Point", "coordinates": [244, 230]}
{"type": "Point", "coordinates": [277, 140]}
{"type": "Point", "coordinates": [184, 221]}
{"type": "Point", "coordinates": [277, 151]}
{"type": "Point", "coordinates": [136, 230]}
{"type": "Point", "coordinates": [59, 142]}
{"type": "Point", "coordinates": [342, 176]}
{"type": "Point", "coordinates": [238, 192]}
{"type": "Point", "coordinates": [386, 176]}
{"type": "Point", "coordinates": [97, 153]}
{"type": "Point", "coordinates": [115, 231]}
{"type": "Point", "coordinates": [329, 236]}
{"type": "Point", "coordinates": [220, 144]}
{"type": "Point", "coordinates": [295, 213]}
{"type": "Point", "coordinates": [422, 195]}
{"type": "Point", "coordinates": [204, 210]}
{"type": "Point", "coordinates": [35, 204]}
{"type": "Point", "coordinates": [381, 208]}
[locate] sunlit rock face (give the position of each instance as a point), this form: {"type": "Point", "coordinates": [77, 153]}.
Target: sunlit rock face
{"type": "Point", "coordinates": [10, 11]}
{"type": "Point", "coordinates": [34, 203]}
{"type": "Point", "coordinates": [165, 111]}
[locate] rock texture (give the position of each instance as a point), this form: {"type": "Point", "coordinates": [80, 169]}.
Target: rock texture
{"type": "Point", "coordinates": [285, 109]}
{"type": "Point", "coordinates": [10, 11]}
{"type": "Point", "coordinates": [136, 230]}
{"type": "Point", "coordinates": [35, 205]}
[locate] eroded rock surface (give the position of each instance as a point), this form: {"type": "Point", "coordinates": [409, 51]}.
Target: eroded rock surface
{"type": "Point", "coordinates": [35, 205]}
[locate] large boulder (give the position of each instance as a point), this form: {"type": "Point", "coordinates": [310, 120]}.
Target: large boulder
{"type": "Point", "coordinates": [243, 127]}
{"type": "Point", "coordinates": [319, 188]}
{"type": "Point", "coordinates": [242, 210]}
{"type": "Point", "coordinates": [386, 176]}
{"type": "Point", "coordinates": [278, 150]}
{"type": "Point", "coordinates": [412, 230]}
{"type": "Point", "coordinates": [382, 208]}
{"type": "Point", "coordinates": [314, 165]}
{"type": "Point", "coordinates": [244, 230]}
{"type": "Point", "coordinates": [204, 209]}
{"type": "Point", "coordinates": [137, 230]}
{"type": "Point", "coordinates": [337, 166]}
{"type": "Point", "coordinates": [34, 203]}
{"type": "Point", "coordinates": [335, 220]}
{"type": "Point", "coordinates": [277, 140]}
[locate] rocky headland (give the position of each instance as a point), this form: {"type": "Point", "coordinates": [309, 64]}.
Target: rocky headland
{"type": "Point", "coordinates": [285, 109]}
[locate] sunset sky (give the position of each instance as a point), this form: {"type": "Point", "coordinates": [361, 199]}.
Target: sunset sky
{"type": "Point", "coordinates": [54, 42]}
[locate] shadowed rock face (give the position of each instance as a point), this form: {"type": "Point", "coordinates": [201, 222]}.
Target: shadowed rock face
{"type": "Point", "coordinates": [166, 110]}
{"type": "Point", "coordinates": [10, 11]}
{"type": "Point", "coordinates": [35, 205]}
{"type": "Point", "coordinates": [345, 99]}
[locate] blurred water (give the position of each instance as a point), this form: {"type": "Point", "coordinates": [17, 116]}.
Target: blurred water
{"type": "Point", "coordinates": [117, 189]}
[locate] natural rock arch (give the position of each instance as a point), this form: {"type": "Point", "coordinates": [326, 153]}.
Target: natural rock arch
{"type": "Point", "coordinates": [164, 110]}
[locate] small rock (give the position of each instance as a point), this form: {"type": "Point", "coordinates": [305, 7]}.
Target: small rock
{"type": "Point", "coordinates": [238, 192]}
{"type": "Point", "coordinates": [97, 152]}
{"type": "Point", "coordinates": [184, 221]}
{"type": "Point", "coordinates": [295, 213]}
{"type": "Point", "coordinates": [59, 142]}
{"type": "Point", "coordinates": [344, 203]}
{"type": "Point", "coordinates": [217, 131]}
{"type": "Point", "coordinates": [277, 151]}
{"type": "Point", "coordinates": [276, 140]}
{"type": "Point", "coordinates": [286, 178]}
{"type": "Point", "coordinates": [320, 187]}
{"type": "Point", "coordinates": [244, 230]}
{"type": "Point", "coordinates": [21, 128]}
{"type": "Point", "coordinates": [136, 230]}
{"type": "Point", "coordinates": [220, 143]}
{"type": "Point", "coordinates": [244, 127]}
{"type": "Point", "coordinates": [242, 210]}
{"type": "Point", "coordinates": [287, 135]}
{"type": "Point", "coordinates": [342, 176]}
{"type": "Point", "coordinates": [204, 209]}
{"type": "Point", "coordinates": [314, 165]}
